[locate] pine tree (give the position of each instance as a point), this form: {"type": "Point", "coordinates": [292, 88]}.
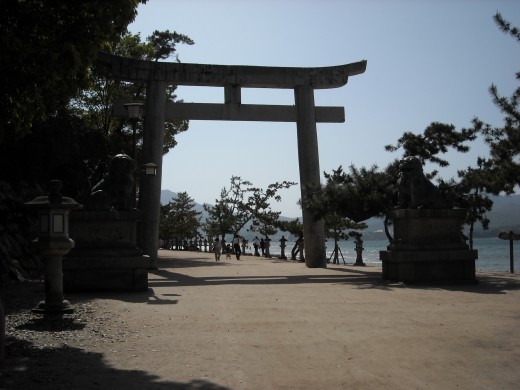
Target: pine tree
{"type": "Point", "coordinates": [230, 212]}
{"type": "Point", "coordinates": [504, 142]}
{"type": "Point", "coordinates": [259, 202]}
{"type": "Point", "coordinates": [179, 219]}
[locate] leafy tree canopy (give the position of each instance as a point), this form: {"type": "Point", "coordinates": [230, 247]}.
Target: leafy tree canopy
{"type": "Point", "coordinates": [95, 102]}
{"type": "Point", "coordinates": [357, 195]}
{"type": "Point", "coordinates": [259, 202]}
{"type": "Point", "coordinates": [230, 212]}
{"type": "Point", "coordinates": [435, 139]}
{"type": "Point", "coordinates": [242, 203]}
{"type": "Point", "coordinates": [47, 48]}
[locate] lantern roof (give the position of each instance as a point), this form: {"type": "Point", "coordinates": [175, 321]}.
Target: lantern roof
{"type": "Point", "coordinates": [54, 200]}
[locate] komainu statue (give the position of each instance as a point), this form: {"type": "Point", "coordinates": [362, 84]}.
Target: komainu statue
{"type": "Point", "coordinates": [415, 190]}
{"type": "Point", "coordinates": [116, 190]}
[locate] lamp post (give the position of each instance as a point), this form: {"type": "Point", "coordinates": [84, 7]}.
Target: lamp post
{"type": "Point", "coordinates": [53, 243]}
{"type": "Point", "coordinates": [135, 112]}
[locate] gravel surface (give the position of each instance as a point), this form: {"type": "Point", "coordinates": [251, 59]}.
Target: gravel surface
{"type": "Point", "coordinates": [41, 349]}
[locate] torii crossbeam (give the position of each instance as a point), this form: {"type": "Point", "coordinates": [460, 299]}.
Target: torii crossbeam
{"type": "Point", "coordinates": [158, 75]}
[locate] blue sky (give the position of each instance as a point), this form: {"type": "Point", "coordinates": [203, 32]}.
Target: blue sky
{"type": "Point", "coordinates": [427, 61]}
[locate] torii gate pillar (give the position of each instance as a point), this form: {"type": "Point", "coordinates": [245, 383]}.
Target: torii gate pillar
{"type": "Point", "coordinates": [153, 141]}
{"type": "Point", "coordinates": [309, 164]}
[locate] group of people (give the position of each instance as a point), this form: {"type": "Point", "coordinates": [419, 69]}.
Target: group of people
{"type": "Point", "coordinates": [259, 244]}
{"type": "Point", "coordinates": [218, 248]}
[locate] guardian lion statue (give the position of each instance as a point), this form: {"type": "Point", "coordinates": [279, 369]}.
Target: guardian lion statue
{"type": "Point", "coordinates": [415, 190]}
{"type": "Point", "coordinates": [116, 190]}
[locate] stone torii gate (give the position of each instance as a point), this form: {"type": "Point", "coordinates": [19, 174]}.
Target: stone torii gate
{"type": "Point", "coordinates": [157, 75]}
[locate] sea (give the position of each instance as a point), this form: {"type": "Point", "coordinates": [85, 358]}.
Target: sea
{"type": "Point", "coordinates": [493, 253]}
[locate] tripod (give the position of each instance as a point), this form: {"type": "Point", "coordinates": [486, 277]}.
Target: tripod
{"type": "Point", "coordinates": [337, 250]}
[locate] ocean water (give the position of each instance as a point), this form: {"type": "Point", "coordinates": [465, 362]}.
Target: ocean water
{"type": "Point", "coordinates": [493, 253]}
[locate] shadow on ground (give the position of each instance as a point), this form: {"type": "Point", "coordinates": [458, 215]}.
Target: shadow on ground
{"type": "Point", "coordinates": [31, 367]}
{"type": "Point", "coordinates": [44, 352]}
{"type": "Point", "coordinates": [170, 274]}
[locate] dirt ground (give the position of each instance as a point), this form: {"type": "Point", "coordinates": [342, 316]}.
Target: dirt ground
{"type": "Point", "coordinates": [268, 324]}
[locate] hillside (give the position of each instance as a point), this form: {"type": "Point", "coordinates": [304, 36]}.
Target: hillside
{"type": "Point", "coordinates": [504, 216]}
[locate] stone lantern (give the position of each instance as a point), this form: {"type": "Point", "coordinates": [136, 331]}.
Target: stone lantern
{"type": "Point", "coordinates": [283, 240]}
{"type": "Point", "coordinates": [53, 243]}
{"type": "Point", "coordinates": [150, 169]}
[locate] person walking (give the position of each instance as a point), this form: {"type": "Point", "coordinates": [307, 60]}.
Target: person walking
{"type": "Point", "coordinates": [256, 244]}
{"type": "Point", "coordinates": [236, 246]}
{"type": "Point", "coordinates": [217, 249]}
{"type": "Point", "coordinates": [262, 246]}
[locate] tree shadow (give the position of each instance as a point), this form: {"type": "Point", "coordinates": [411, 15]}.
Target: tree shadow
{"type": "Point", "coordinates": [146, 297]}
{"type": "Point", "coordinates": [169, 262]}
{"type": "Point", "coordinates": [360, 277]}
{"type": "Point", "coordinates": [55, 361]}
{"type": "Point", "coordinates": [28, 366]}
{"type": "Point", "coordinates": [172, 279]}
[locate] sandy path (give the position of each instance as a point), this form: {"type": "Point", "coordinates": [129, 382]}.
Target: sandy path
{"type": "Point", "coordinates": [268, 324]}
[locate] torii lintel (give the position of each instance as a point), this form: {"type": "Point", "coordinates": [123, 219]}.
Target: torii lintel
{"type": "Point", "coordinates": [130, 69]}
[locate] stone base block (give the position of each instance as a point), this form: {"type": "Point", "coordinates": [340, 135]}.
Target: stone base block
{"type": "Point", "coordinates": [428, 247]}
{"type": "Point", "coordinates": [106, 256]}
{"type": "Point", "coordinates": [429, 266]}
{"type": "Point", "coordinates": [106, 273]}
{"type": "Point", "coordinates": [104, 229]}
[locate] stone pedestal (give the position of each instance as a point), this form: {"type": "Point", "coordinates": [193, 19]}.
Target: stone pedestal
{"type": "Point", "coordinates": [428, 247]}
{"type": "Point", "coordinates": [106, 256]}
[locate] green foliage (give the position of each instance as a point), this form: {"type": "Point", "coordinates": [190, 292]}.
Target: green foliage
{"type": "Point", "coordinates": [341, 228]}
{"type": "Point", "coordinates": [95, 103]}
{"type": "Point", "coordinates": [259, 202]}
{"type": "Point", "coordinates": [435, 139]}
{"type": "Point", "coordinates": [364, 193]}
{"type": "Point", "coordinates": [47, 48]}
{"type": "Point", "coordinates": [506, 27]}
{"type": "Point", "coordinates": [163, 43]}
{"type": "Point", "coordinates": [358, 195]}
{"type": "Point", "coordinates": [73, 143]}
{"type": "Point", "coordinates": [62, 147]}
{"type": "Point", "coordinates": [470, 195]}
{"type": "Point", "coordinates": [504, 142]}
{"type": "Point", "coordinates": [242, 203]}
{"type": "Point", "coordinates": [179, 219]}
{"type": "Point", "coordinates": [294, 227]}
{"type": "Point", "coordinates": [230, 212]}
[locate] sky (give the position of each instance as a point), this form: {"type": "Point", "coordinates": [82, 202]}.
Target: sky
{"type": "Point", "coordinates": [428, 61]}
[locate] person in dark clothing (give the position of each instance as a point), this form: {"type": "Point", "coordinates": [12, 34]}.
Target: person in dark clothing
{"type": "Point", "coordinates": [262, 246]}
{"type": "Point", "coordinates": [236, 246]}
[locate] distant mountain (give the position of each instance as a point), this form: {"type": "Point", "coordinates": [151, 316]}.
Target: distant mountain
{"type": "Point", "coordinates": [504, 216]}
{"type": "Point", "coordinates": [167, 196]}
